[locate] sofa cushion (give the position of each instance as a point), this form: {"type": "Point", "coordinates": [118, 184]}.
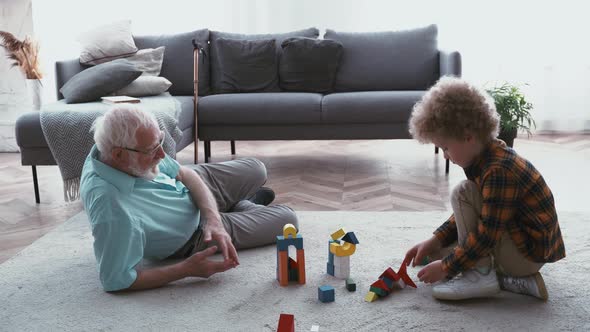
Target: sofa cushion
{"type": "Point", "coordinates": [148, 60]}
{"type": "Point", "coordinates": [369, 106]}
{"type": "Point", "coordinates": [396, 60]}
{"type": "Point", "coordinates": [107, 42]}
{"type": "Point", "coordinates": [145, 86]}
{"type": "Point", "coordinates": [279, 37]}
{"type": "Point", "coordinates": [309, 65]}
{"type": "Point", "coordinates": [262, 108]}
{"type": "Point", "coordinates": [246, 65]}
{"type": "Point", "coordinates": [98, 81]}
{"type": "Point", "coordinates": [178, 62]}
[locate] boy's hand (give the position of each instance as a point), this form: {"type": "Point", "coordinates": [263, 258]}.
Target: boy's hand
{"type": "Point", "coordinates": [422, 249]}
{"type": "Point", "coordinates": [432, 272]}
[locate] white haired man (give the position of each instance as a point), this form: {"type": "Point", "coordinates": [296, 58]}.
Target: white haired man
{"type": "Point", "coordinates": [142, 204]}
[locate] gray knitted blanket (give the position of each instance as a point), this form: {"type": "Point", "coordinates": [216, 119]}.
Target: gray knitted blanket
{"type": "Point", "coordinates": [67, 130]}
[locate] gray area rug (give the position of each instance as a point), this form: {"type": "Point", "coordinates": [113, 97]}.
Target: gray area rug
{"type": "Point", "coordinates": [53, 286]}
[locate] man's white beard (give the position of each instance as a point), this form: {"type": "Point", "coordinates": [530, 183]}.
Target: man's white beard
{"type": "Point", "coordinates": [148, 174]}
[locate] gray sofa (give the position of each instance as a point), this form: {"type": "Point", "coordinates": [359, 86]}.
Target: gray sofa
{"type": "Point", "coordinates": [380, 77]}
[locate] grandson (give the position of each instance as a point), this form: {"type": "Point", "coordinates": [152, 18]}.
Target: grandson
{"type": "Point", "coordinates": [504, 215]}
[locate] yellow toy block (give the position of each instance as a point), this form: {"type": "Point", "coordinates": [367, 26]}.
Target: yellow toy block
{"type": "Point", "coordinates": [338, 234]}
{"type": "Point", "coordinates": [289, 229]}
{"type": "Point", "coordinates": [370, 297]}
{"type": "Point", "coordinates": [346, 249]}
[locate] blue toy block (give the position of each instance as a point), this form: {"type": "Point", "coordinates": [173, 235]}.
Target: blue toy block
{"type": "Point", "coordinates": [326, 293]}
{"type": "Point", "coordinates": [283, 244]}
{"type": "Point", "coordinates": [350, 238]}
{"type": "Point", "coordinates": [332, 241]}
{"type": "Point", "coordinates": [331, 258]}
{"type": "Point", "coordinates": [330, 269]}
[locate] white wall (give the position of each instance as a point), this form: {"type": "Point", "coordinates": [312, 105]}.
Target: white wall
{"type": "Point", "coordinates": [16, 18]}
{"type": "Point", "coordinates": [542, 43]}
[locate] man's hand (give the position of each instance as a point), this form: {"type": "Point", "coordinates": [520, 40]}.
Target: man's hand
{"type": "Point", "coordinates": [423, 249]}
{"type": "Point", "coordinates": [432, 272]}
{"type": "Point", "coordinates": [214, 230]}
{"type": "Point", "coordinates": [198, 265]}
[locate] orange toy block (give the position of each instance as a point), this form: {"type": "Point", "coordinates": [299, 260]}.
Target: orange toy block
{"type": "Point", "coordinates": [283, 268]}
{"type": "Point", "coordinates": [301, 263]}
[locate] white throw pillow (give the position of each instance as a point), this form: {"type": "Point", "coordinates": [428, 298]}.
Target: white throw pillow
{"type": "Point", "coordinates": [148, 60]}
{"type": "Point", "coordinates": [145, 86]}
{"type": "Point", "coordinates": [106, 43]}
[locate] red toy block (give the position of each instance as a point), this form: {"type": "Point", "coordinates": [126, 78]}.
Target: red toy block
{"type": "Point", "coordinates": [301, 263]}
{"type": "Point", "coordinates": [389, 274]}
{"type": "Point", "coordinates": [286, 323]}
{"type": "Point", "coordinates": [403, 273]}
{"type": "Point", "coordinates": [381, 284]}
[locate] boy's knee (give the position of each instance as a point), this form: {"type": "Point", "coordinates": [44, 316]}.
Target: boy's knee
{"type": "Point", "coordinates": [258, 169]}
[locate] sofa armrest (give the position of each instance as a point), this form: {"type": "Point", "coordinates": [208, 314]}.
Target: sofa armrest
{"type": "Point", "coordinates": [64, 70]}
{"type": "Point", "coordinates": [450, 63]}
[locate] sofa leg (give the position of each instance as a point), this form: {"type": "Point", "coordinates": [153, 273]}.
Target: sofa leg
{"type": "Point", "coordinates": [36, 184]}
{"type": "Point", "coordinates": [207, 145]}
{"type": "Point", "coordinates": [233, 148]}
{"type": "Point", "coordinates": [447, 166]}
{"type": "Point", "coordinates": [436, 149]}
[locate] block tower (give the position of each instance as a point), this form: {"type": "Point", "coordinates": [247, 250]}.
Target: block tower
{"type": "Point", "coordinates": [388, 281]}
{"type": "Point", "coordinates": [289, 269]}
{"type": "Point", "coordinates": [339, 253]}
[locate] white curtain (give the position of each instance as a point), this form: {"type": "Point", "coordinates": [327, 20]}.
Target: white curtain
{"type": "Point", "coordinates": [544, 43]}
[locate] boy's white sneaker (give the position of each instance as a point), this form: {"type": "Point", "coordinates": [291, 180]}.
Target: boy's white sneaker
{"type": "Point", "coordinates": [468, 285]}
{"type": "Point", "coordinates": [532, 285]}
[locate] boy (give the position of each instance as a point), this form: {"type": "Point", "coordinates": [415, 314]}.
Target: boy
{"type": "Point", "coordinates": [504, 215]}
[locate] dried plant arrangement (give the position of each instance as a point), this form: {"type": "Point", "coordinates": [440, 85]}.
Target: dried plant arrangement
{"type": "Point", "coordinates": [24, 53]}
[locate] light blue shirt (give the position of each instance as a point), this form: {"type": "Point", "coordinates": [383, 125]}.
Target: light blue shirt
{"type": "Point", "coordinates": [133, 218]}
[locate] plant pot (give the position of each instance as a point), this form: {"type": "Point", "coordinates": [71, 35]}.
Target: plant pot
{"type": "Point", "coordinates": [34, 88]}
{"type": "Point", "coordinates": [508, 135]}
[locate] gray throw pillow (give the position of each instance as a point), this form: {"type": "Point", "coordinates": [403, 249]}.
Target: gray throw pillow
{"type": "Point", "coordinates": [278, 37]}
{"type": "Point", "coordinates": [98, 81]}
{"type": "Point", "coordinates": [309, 65]}
{"type": "Point", "coordinates": [246, 65]}
{"type": "Point", "coordinates": [391, 60]}
{"type": "Point", "coordinates": [178, 64]}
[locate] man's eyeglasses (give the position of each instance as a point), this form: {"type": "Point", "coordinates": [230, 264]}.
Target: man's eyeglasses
{"type": "Point", "coordinates": [150, 152]}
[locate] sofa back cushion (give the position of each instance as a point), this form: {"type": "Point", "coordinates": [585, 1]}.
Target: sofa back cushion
{"type": "Point", "coordinates": [394, 60]}
{"type": "Point", "coordinates": [177, 66]}
{"type": "Point", "coordinates": [247, 65]}
{"type": "Point", "coordinates": [216, 67]}
{"type": "Point", "coordinates": [309, 65]}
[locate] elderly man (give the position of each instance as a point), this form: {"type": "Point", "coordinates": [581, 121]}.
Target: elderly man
{"type": "Point", "coordinates": [142, 204]}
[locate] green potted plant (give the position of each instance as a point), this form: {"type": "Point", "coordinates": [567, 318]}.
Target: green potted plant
{"type": "Point", "coordinates": [514, 111]}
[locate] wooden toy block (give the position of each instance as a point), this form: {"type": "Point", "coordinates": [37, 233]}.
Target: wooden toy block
{"type": "Point", "coordinates": [341, 273]}
{"type": "Point", "coordinates": [370, 297]}
{"type": "Point", "coordinates": [293, 270]}
{"type": "Point", "coordinates": [330, 258]}
{"type": "Point", "coordinates": [390, 283]}
{"type": "Point", "coordinates": [289, 230]}
{"type": "Point", "coordinates": [345, 249]}
{"type": "Point", "coordinates": [403, 274]}
{"type": "Point", "coordinates": [301, 263]}
{"type": "Point", "coordinates": [342, 261]}
{"type": "Point", "coordinates": [286, 323]}
{"type": "Point", "coordinates": [350, 238]}
{"type": "Point", "coordinates": [326, 293]}
{"type": "Point", "coordinates": [330, 269]}
{"type": "Point", "coordinates": [390, 274]}
{"type": "Point", "coordinates": [284, 243]}
{"type": "Point", "coordinates": [338, 234]}
{"type": "Point", "coordinates": [381, 285]}
{"type": "Point", "coordinates": [350, 285]}
{"type": "Point", "coordinates": [379, 291]}
{"type": "Point", "coordinates": [283, 268]}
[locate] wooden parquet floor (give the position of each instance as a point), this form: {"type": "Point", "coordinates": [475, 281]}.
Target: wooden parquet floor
{"type": "Point", "coordinates": [363, 175]}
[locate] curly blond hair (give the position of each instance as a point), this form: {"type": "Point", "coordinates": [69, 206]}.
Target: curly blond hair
{"type": "Point", "coordinates": [454, 108]}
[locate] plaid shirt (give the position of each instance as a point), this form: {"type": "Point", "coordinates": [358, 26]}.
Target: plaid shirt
{"type": "Point", "coordinates": [516, 200]}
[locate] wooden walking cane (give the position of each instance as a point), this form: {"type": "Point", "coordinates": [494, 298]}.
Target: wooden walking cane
{"type": "Point", "coordinates": [196, 51]}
